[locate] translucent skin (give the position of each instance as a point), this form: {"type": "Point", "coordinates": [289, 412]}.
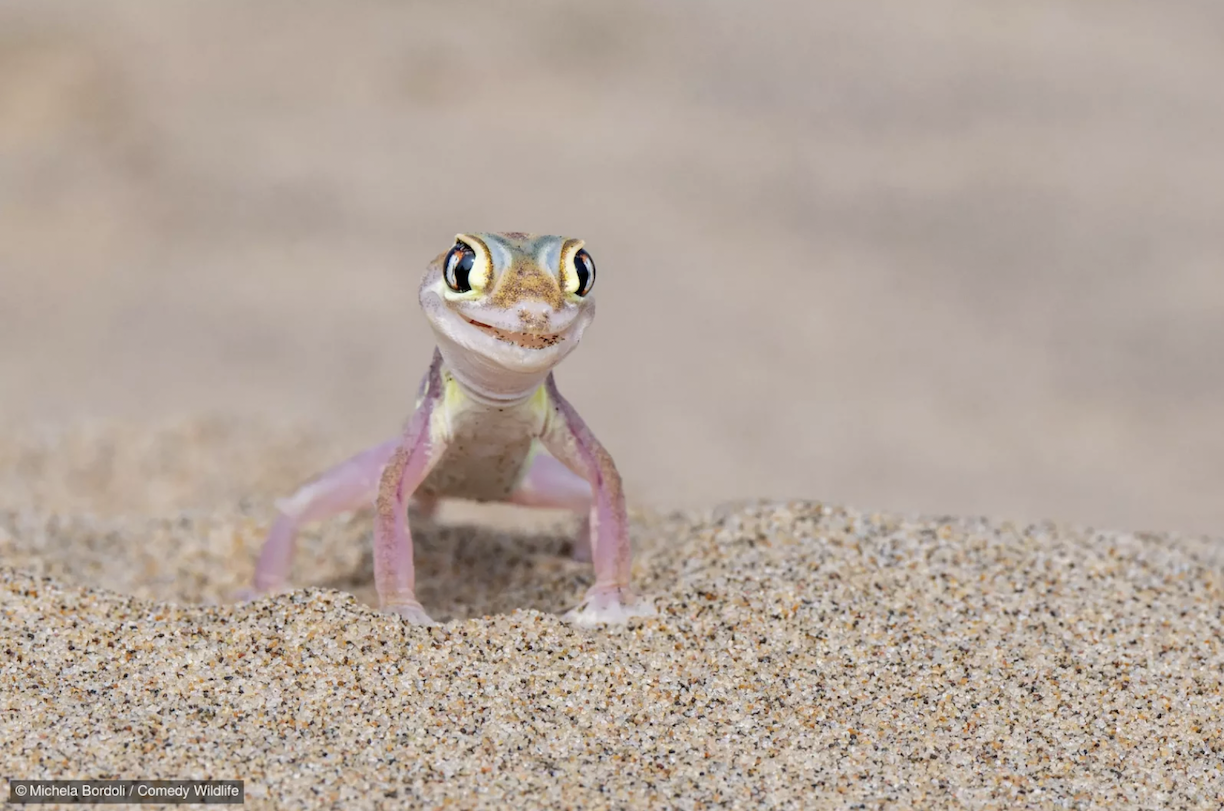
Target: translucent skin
{"type": "Point", "coordinates": [484, 409]}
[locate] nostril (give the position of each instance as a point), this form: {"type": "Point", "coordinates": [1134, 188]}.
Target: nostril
{"type": "Point", "coordinates": [533, 320]}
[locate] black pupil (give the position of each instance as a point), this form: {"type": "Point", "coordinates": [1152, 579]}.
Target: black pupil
{"type": "Point", "coordinates": [583, 265]}
{"type": "Point", "coordinates": [460, 266]}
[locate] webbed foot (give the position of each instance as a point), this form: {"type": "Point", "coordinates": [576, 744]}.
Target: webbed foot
{"type": "Point", "coordinates": [609, 606]}
{"type": "Point", "coordinates": [412, 611]}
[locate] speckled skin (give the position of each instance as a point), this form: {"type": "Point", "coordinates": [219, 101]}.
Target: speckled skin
{"type": "Point", "coordinates": [488, 446]}
{"type": "Point", "coordinates": [505, 308]}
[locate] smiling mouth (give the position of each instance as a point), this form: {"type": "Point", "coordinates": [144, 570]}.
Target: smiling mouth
{"type": "Point", "coordinates": [527, 340]}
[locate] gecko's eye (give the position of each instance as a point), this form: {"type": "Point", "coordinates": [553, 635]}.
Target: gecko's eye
{"type": "Point", "coordinates": [458, 267]}
{"type": "Point", "coordinates": [584, 266]}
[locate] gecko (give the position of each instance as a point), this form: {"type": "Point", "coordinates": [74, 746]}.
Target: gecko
{"type": "Point", "coordinates": [489, 424]}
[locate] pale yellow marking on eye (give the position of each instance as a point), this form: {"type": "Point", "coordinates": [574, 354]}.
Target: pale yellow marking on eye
{"type": "Point", "coordinates": [443, 290]}
{"type": "Point", "coordinates": [569, 279]}
{"type": "Point", "coordinates": [481, 276]}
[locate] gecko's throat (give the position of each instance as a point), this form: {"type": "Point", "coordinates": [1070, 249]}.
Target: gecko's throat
{"type": "Point", "coordinates": [527, 340]}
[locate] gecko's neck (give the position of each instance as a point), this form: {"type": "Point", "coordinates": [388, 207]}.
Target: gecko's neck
{"type": "Point", "coordinates": [485, 382]}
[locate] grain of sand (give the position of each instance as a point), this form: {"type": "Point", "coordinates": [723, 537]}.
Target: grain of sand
{"type": "Point", "coordinates": [805, 654]}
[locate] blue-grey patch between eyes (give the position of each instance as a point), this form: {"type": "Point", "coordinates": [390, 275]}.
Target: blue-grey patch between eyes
{"type": "Point", "coordinates": [545, 249]}
{"type": "Point", "coordinates": [548, 254]}
{"type": "Point", "coordinates": [499, 253]}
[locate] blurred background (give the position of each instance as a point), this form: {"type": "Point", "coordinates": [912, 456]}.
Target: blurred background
{"type": "Point", "coordinates": [931, 255]}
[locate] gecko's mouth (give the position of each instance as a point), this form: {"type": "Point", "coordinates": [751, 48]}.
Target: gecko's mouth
{"type": "Point", "coordinates": [527, 340]}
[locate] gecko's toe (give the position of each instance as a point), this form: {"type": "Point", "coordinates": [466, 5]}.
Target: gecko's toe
{"type": "Point", "coordinates": [412, 612]}
{"type": "Point", "coordinates": [609, 607]}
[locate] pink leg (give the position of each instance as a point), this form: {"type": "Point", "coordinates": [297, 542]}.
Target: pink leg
{"type": "Point", "coordinates": [551, 485]}
{"type": "Point", "coordinates": [410, 463]}
{"type": "Point", "coordinates": [610, 600]}
{"type": "Point", "coordinates": [347, 486]}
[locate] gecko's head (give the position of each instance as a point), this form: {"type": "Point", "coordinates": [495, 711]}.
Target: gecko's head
{"type": "Point", "coordinates": [517, 301]}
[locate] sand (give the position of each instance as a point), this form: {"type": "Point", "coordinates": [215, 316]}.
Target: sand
{"type": "Point", "coordinates": [804, 653]}
{"type": "Point", "coordinates": [972, 253]}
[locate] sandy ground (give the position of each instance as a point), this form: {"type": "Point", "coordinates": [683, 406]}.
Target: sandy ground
{"type": "Point", "coordinates": [937, 258]}
{"type": "Point", "coordinates": [804, 654]}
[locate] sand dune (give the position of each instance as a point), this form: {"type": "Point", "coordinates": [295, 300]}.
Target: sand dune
{"type": "Point", "coordinates": [919, 256]}
{"type": "Point", "coordinates": [804, 653]}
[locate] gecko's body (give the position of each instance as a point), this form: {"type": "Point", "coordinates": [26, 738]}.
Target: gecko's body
{"type": "Point", "coordinates": [505, 309]}
{"type": "Point", "coordinates": [488, 446]}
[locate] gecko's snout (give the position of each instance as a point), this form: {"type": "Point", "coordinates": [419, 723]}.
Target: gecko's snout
{"type": "Point", "coordinates": [536, 317]}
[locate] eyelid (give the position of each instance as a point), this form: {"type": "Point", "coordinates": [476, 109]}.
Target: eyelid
{"type": "Point", "coordinates": [569, 259]}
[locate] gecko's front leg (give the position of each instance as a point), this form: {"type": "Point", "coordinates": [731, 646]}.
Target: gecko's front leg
{"type": "Point", "coordinates": [350, 485]}
{"type": "Point", "coordinates": [611, 600]}
{"type": "Point", "coordinates": [420, 449]}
